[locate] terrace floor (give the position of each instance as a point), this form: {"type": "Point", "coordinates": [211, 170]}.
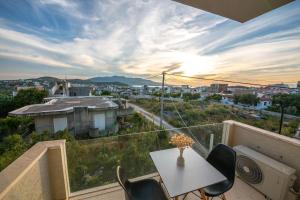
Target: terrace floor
{"type": "Point", "coordinates": [240, 191]}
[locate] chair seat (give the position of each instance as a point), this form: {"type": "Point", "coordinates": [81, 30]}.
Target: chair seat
{"type": "Point", "coordinates": [218, 189]}
{"type": "Point", "coordinates": [147, 189]}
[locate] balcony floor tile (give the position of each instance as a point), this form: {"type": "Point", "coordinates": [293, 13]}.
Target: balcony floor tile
{"type": "Point", "coordinates": [240, 191]}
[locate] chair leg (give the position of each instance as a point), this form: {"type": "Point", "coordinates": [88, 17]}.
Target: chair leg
{"type": "Point", "coordinates": [184, 196]}
{"type": "Point", "coordinates": [160, 180]}
{"type": "Point", "coordinates": [223, 197]}
{"type": "Point", "coordinates": [202, 195]}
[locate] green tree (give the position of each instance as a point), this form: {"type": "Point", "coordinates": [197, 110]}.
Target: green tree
{"type": "Point", "coordinates": [30, 96]}
{"type": "Point", "coordinates": [190, 96]}
{"type": "Point", "coordinates": [23, 98]}
{"type": "Point", "coordinates": [105, 93]}
{"type": "Point", "coordinates": [292, 103]}
{"type": "Point", "coordinates": [15, 125]}
{"type": "Point", "coordinates": [6, 105]}
{"type": "Point", "coordinates": [214, 97]}
{"type": "Point", "coordinates": [284, 101]}
{"type": "Point", "coordinates": [157, 93]}
{"type": "Point", "coordinates": [175, 95]}
{"type": "Point", "coordinates": [11, 148]}
{"type": "Point", "coordinates": [248, 99]}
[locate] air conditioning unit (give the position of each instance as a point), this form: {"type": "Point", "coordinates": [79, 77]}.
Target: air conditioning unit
{"type": "Point", "coordinates": [267, 175]}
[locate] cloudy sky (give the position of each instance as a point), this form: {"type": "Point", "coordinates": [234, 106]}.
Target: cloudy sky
{"type": "Point", "coordinates": [141, 38]}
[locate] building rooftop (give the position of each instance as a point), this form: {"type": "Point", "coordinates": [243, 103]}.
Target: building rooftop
{"type": "Point", "coordinates": [65, 105]}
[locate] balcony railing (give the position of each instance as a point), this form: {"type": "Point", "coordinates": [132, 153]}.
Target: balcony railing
{"type": "Point", "coordinates": [93, 162]}
{"type": "Point", "coordinates": [48, 170]}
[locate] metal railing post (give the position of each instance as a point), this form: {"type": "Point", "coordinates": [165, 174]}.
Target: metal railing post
{"type": "Point", "coordinates": [211, 142]}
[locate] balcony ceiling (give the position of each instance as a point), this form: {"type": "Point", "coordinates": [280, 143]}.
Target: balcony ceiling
{"type": "Point", "coordinates": [238, 10]}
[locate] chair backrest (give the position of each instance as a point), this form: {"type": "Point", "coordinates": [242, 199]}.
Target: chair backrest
{"type": "Point", "coordinates": [121, 176]}
{"type": "Point", "coordinates": [122, 179]}
{"type": "Point", "coordinates": [223, 158]}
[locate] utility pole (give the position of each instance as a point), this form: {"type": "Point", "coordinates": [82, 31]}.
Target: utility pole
{"type": "Point", "coordinates": [162, 100]}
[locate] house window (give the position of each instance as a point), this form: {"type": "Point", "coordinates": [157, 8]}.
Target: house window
{"type": "Point", "coordinates": [60, 124]}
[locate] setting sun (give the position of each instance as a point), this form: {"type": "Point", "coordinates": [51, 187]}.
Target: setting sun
{"type": "Point", "coordinates": [196, 65]}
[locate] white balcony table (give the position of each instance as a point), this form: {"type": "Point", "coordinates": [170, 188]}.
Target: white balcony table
{"type": "Point", "coordinates": [196, 174]}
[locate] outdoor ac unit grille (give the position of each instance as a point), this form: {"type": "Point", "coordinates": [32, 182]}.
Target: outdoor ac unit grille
{"type": "Point", "coordinates": [267, 175]}
{"type": "Point", "coordinates": [248, 170]}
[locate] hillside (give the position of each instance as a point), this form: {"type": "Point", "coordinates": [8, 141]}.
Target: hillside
{"type": "Point", "coordinates": [123, 79]}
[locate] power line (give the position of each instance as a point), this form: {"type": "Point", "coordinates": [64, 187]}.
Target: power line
{"type": "Point", "coordinates": [185, 124]}
{"type": "Point", "coordinates": [190, 132]}
{"type": "Point", "coordinates": [222, 80]}
{"type": "Point", "coordinates": [152, 76]}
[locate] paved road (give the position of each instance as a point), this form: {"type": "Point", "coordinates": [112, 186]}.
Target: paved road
{"type": "Point", "coordinates": [153, 118]}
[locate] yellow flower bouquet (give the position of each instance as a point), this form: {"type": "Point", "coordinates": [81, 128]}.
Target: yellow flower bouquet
{"type": "Point", "coordinates": [181, 141]}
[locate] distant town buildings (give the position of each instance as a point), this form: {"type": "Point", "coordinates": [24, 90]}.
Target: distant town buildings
{"type": "Point", "coordinates": [65, 88]}
{"type": "Point", "coordinates": [276, 89]}
{"type": "Point", "coordinates": [264, 101]}
{"type": "Point", "coordinates": [185, 89]}
{"type": "Point", "coordinates": [73, 88]}
{"type": "Point", "coordinates": [239, 90]}
{"type": "Point", "coordinates": [227, 99]}
{"type": "Point", "coordinates": [218, 88]}
{"type": "Point", "coordinates": [79, 90]}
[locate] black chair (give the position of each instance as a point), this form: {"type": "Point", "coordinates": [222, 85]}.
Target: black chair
{"type": "Point", "coordinates": [147, 189]}
{"type": "Point", "coordinates": [223, 158]}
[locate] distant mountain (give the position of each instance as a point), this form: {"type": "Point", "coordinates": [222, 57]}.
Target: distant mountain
{"type": "Point", "coordinates": [123, 79]}
{"type": "Point", "coordinates": [116, 80]}
{"type": "Point", "coordinates": [46, 78]}
{"type": "Point", "coordinates": [88, 81]}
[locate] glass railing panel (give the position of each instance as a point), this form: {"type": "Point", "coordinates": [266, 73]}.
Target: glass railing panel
{"type": "Point", "coordinates": [93, 162]}
{"type": "Point", "coordinates": [205, 136]}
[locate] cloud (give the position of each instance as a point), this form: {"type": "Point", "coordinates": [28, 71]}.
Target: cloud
{"type": "Point", "coordinates": [141, 38]}
{"type": "Point", "coordinates": [34, 59]}
{"type": "Point", "coordinates": [62, 3]}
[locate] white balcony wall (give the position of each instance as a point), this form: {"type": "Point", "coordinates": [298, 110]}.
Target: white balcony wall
{"type": "Point", "coordinates": [40, 173]}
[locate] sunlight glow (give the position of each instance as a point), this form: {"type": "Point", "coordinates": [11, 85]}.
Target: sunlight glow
{"type": "Point", "coordinates": [192, 64]}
